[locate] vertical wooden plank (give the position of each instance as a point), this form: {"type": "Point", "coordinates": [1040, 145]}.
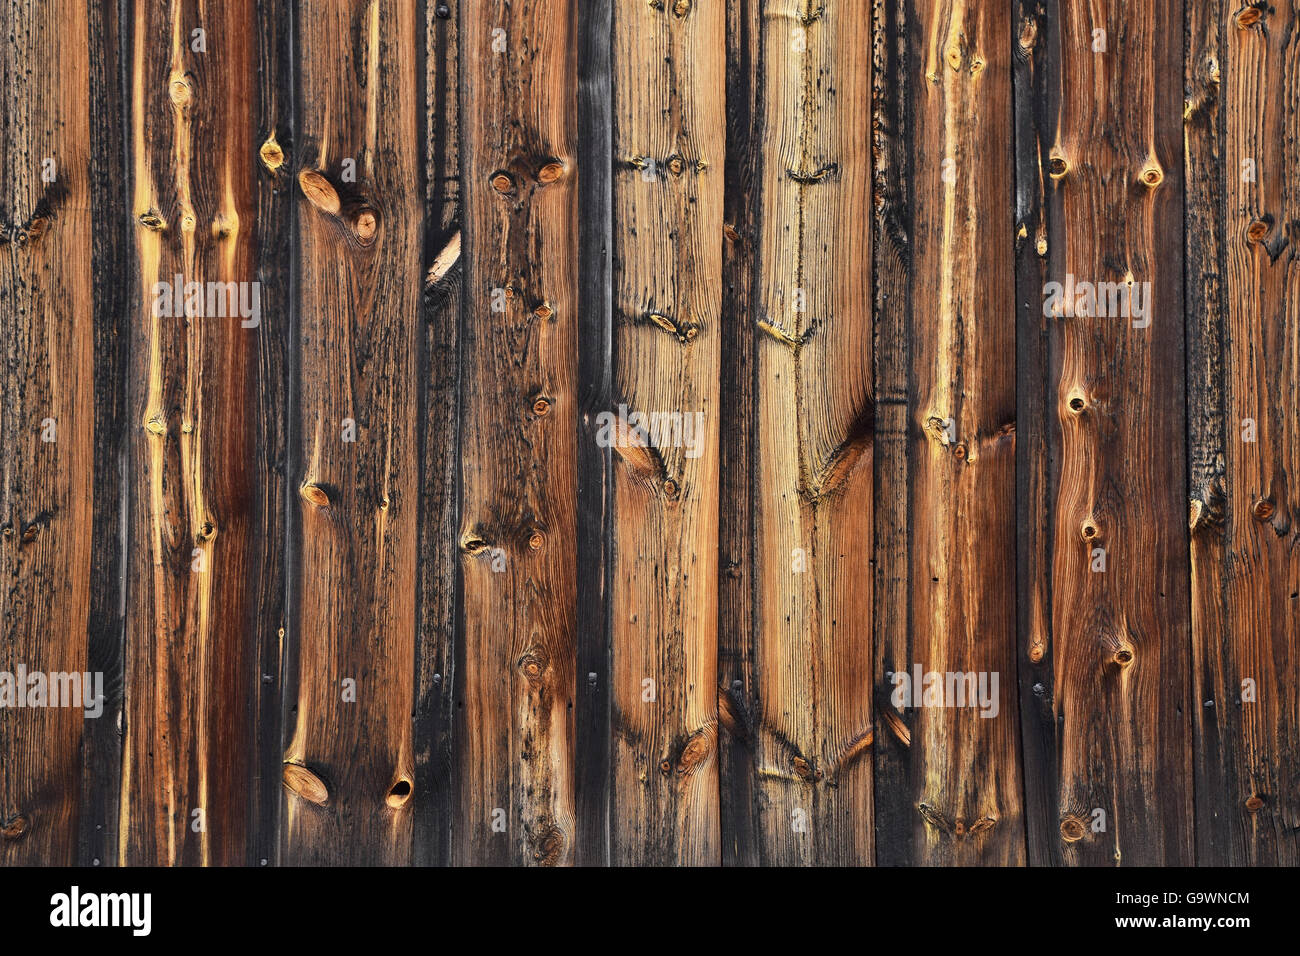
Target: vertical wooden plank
{"type": "Point", "coordinates": [1243, 367]}
{"type": "Point", "coordinates": [813, 438]}
{"type": "Point", "coordinates": [962, 433]}
{"type": "Point", "coordinates": [739, 816]}
{"type": "Point", "coordinates": [349, 767]}
{"type": "Point", "coordinates": [1037, 94]}
{"type": "Point", "coordinates": [892, 251]}
{"type": "Point", "coordinates": [668, 61]}
{"type": "Point", "coordinates": [1119, 637]}
{"type": "Point", "coordinates": [47, 419]}
{"type": "Point", "coordinates": [203, 554]}
{"type": "Point", "coordinates": [272, 105]}
{"type": "Point", "coordinates": [595, 378]}
{"type": "Point", "coordinates": [518, 481]}
{"type": "Point", "coordinates": [111, 258]}
{"type": "Point", "coordinates": [439, 408]}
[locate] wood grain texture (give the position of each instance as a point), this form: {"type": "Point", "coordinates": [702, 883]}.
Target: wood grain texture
{"type": "Point", "coordinates": [670, 150]}
{"type": "Point", "coordinates": [440, 445]}
{"type": "Point", "coordinates": [962, 439]}
{"type": "Point", "coordinates": [47, 421]}
{"type": "Point", "coordinates": [1118, 638]}
{"type": "Point", "coordinates": [812, 434]}
{"type": "Point", "coordinates": [595, 380]}
{"type": "Point", "coordinates": [1036, 49]}
{"type": "Point", "coordinates": [518, 531]}
{"type": "Point", "coordinates": [738, 812]}
{"type": "Point", "coordinates": [349, 764]}
{"type": "Point", "coordinates": [396, 575]}
{"type": "Point", "coordinates": [893, 130]}
{"type": "Point", "coordinates": [203, 532]}
{"type": "Point", "coordinates": [1242, 197]}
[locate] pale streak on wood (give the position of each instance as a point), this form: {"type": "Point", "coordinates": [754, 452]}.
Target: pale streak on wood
{"type": "Point", "coordinates": [962, 496]}
{"type": "Point", "coordinates": [669, 66]}
{"type": "Point", "coordinates": [813, 627]}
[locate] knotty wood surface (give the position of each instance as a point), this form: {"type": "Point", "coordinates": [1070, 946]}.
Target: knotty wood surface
{"type": "Point", "coordinates": [374, 581]}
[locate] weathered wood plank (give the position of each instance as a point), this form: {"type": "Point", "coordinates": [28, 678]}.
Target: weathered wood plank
{"type": "Point", "coordinates": [1119, 638]}
{"type": "Point", "coordinates": [520, 411]}
{"type": "Point", "coordinates": [739, 819]}
{"type": "Point", "coordinates": [111, 258]}
{"type": "Point", "coordinates": [47, 424]}
{"type": "Point", "coordinates": [203, 529]}
{"type": "Point", "coordinates": [1244, 439]}
{"type": "Point", "coordinates": [893, 131]}
{"type": "Point", "coordinates": [814, 411]}
{"type": "Point", "coordinates": [439, 405]}
{"type": "Point", "coordinates": [669, 145]}
{"type": "Point", "coordinates": [961, 428]}
{"type": "Point", "coordinates": [1035, 67]}
{"type": "Point", "coordinates": [595, 380]}
{"type": "Point", "coordinates": [349, 766]}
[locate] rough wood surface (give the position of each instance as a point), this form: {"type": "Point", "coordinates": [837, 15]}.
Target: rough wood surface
{"type": "Point", "coordinates": [669, 145]}
{"type": "Point", "coordinates": [518, 478]}
{"type": "Point", "coordinates": [808, 714]}
{"type": "Point", "coordinates": [203, 534]}
{"type": "Point", "coordinates": [47, 418]}
{"type": "Point", "coordinates": [1244, 441]}
{"type": "Point", "coordinates": [349, 764]}
{"type": "Point", "coordinates": [962, 440]}
{"type": "Point", "coordinates": [1118, 637]}
{"type": "Point", "coordinates": [399, 575]}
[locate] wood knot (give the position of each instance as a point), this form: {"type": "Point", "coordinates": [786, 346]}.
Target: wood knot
{"type": "Point", "coordinates": [536, 540]}
{"type": "Point", "coordinates": [306, 784]}
{"type": "Point", "coordinates": [1262, 509]}
{"type": "Point", "coordinates": [551, 172]}
{"type": "Point", "coordinates": [15, 829]}
{"type": "Point", "coordinates": [1057, 167]}
{"type": "Point", "coordinates": [365, 226]}
{"type": "Point", "coordinates": [1152, 176]}
{"type": "Point", "coordinates": [315, 494]}
{"type": "Point", "coordinates": [695, 752]}
{"type": "Point", "coordinates": [1254, 803]}
{"type": "Point", "coordinates": [1247, 17]}
{"type": "Point", "coordinates": [1258, 230]}
{"type": "Point", "coordinates": [503, 182]}
{"type": "Point", "coordinates": [180, 91]}
{"type": "Point", "coordinates": [1072, 829]}
{"type": "Point", "coordinates": [472, 543]}
{"type": "Point", "coordinates": [804, 770]}
{"type": "Point", "coordinates": [399, 794]}
{"type": "Point", "coordinates": [271, 153]}
{"type": "Point", "coordinates": [543, 311]}
{"type": "Point", "coordinates": [533, 665]}
{"type": "Point", "coordinates": [541, 407]}
{"type": "Point", "coordinates": [549, 845]}
{"type": "Point", "coordinates": [319, 192]}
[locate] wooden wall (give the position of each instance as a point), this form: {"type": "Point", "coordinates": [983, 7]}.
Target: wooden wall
{"type": "Point", "coordinates": [386, 573]}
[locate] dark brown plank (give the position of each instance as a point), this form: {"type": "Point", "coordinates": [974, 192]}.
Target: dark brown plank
{"type": "Point", "coordinates": [47, 426]}
{"type": "Point", "coordinates": [203, 531]}
{"type": "Point", "coordinates": [518, 525]}
{"type": "Point", "coordinates": [1119, 638]}
{"type": "Point", "coordinates": [349, 763]}
{"type": "Point", "coordinates": [1242, 201]}
{"type": "Point", "coordinates": [669, 140]}
{"type": "Point", "coordinates": [967, 791]}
